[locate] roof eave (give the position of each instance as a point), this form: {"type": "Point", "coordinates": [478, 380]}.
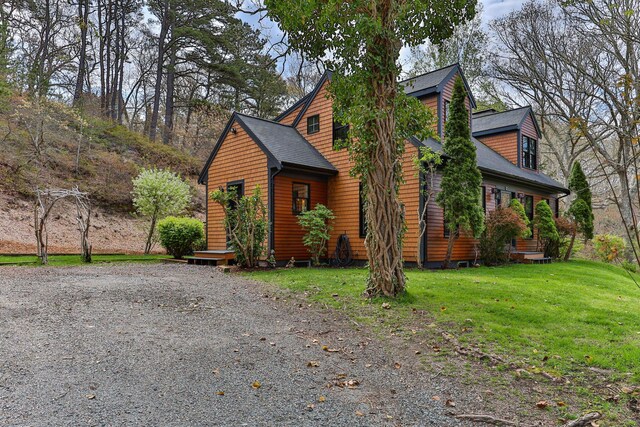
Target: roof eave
{"type": "Point", "coordinates": [531, 182]}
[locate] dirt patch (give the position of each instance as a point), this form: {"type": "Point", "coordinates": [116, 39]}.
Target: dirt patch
{"type": "Point", "coordinates": [109, 232]}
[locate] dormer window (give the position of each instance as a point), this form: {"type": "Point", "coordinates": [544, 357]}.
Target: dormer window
{"type": "Point", "coordinates": [313, 124]}
{"type": "Point", "coordinates": [529, 153]}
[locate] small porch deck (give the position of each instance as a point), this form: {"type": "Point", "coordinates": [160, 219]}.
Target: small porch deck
{"type": "Point", "coordinates": [529, 257]}
{"type": "Point", "coordinates": [211, 257]}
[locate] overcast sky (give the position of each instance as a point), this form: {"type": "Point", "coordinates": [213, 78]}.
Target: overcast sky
{"type": "Point", "coordinates": [496, 8]}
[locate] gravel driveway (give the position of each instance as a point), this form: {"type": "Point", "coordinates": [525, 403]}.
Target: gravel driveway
{"type": "Point", "coordinates": [174, 345]}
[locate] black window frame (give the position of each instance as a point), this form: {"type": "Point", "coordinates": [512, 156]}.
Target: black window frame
{"type": "Point", "coordinates": [484, 198]}
{"type": "Point", "coordinates": [557, 207]}
{"type": "Point", "coordinates": [362, 220]}
{"type": "Point", "coordinates": [529, 158]}
{"type": "Point", "coordinates": [339, 132]}
{"type": "Point", "coordinates": [313, 124]}
{"type": "Point", "coordinates": [238, 184]}
{"type": "Point", "coordinates": [295, 198]}
{"type": "Point", "coordinates": [530, 214]}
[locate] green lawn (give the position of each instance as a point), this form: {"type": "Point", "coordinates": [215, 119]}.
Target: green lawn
{"type": "Point", "coordinates": [58, 260]}
{"type": "Point", "coordinates": [560, 318]}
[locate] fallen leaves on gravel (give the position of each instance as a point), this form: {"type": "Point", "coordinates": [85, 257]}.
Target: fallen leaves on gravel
{"type": "Point", "coordinates": [542, 404]}
{"type": "Point", "coordinates": [397, 365]}
{"type": "Point", "coordinates": [436, 398]}
{"type": "Point", "coordinates": [256, 384]}
{"type": "Point", "coordinates": [450, 403]}
{"type": "Point", "coordinates": [313, 364]}
{"type": "Point", "coordinates": [91, 396]}
{"type": "Point", "coordinates": [360, 414]}
{"type": "Point", "coordinates": [220, 393]}
{"type": "Point", "coordinates": [322, 399]}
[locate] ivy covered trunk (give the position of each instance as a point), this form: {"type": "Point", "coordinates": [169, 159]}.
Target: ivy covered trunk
{"type": "Point", "coordinates": [385, 223]}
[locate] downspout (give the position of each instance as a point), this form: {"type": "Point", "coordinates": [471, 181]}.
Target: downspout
{"type": "Point", "coordinates": [206, 213]}
{"type": "Point", "coordinates": [271, 201]}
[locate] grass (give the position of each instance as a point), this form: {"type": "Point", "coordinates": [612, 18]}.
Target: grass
{"type": "Point", "coordinates": [67, 260]}
{"type": "Point", "coordinates": [561, 318]}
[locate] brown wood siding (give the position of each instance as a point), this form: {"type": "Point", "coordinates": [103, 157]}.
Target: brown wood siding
{"type": "Point", "coordinates": [447, 92]}
{"type": "Point", "coordinates": [431, 101]}
{"type": "Point", "coordinates": [528, 128]}
{"type": "Point", "coordinates": [238, 158]}
{"type": "Point", "coordinates": [464, 249]}
{"type": "Point", "coordinates": [287, 232]}
{"type": "Point", "coordinates": [505, 144]}
{"type": "Point", "coordinates": [343, 190]}
{"type": "Point", "coordinates": [289, 118]}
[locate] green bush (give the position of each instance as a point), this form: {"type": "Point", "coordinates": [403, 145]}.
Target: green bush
{"type": "Point", "coordinates": [630, 266]}
{"type": "Point", "coordinates": [548, 237]}
{"type": "Point", "coordinates": [180, 235]}
{"type": "Point", "coordinates": [246, 223]}
{"type": "Point", "coordinates": [316, 224]}
{"type": "Point", "coordinates": [609, 247]}
{"type": "Point", "coordinates": [501, 225]}
{"type": "Point", "coordinates": [519, 209]}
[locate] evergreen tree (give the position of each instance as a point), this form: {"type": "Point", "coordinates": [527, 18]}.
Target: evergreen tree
{"type": "Point", "coordinates": [519, 209]}
{"type": "Point", "coordinates": [548, 237]}
{"type": "Point", "coordinates": [580, 212]}
{"type": "Point", "coordinates": [579, 185]}
{"type": "Point", "coordinates": [460, 192]}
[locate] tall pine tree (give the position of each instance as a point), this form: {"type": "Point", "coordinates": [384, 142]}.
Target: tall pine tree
{"type": "Point", "coordinates": [580, 212]}
{"type": "Point", "coordinates": [460, 190]}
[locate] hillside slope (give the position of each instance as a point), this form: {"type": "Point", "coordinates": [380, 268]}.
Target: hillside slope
{"type": "Point", "coordinates": [48, 145]}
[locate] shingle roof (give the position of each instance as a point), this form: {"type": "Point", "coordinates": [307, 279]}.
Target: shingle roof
{"type": "Point", "coordinates": [284, 143]}
{"type": "Point", "coordinates": [491, 162]}
{"type": "Point", "coordinates": [427, 81]}
{"type": "Point", "coordinates": [506, 120]}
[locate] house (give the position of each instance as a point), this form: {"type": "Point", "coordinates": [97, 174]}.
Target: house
{"type": "Point", "coordinates": [292, 159]}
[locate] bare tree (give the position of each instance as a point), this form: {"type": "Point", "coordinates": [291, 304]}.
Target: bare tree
{"type": "Point", "coordinates": [579, 62]}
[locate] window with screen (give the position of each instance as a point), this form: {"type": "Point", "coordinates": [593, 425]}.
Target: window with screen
{"type": "Point", "coordinates": [313, 124]}
{"type": "Point", "coordinates": [340, 132]}
{"type": "Point", "coordinates": [301, 197]}
{"type": "Point", "coordinates": [528, 210]}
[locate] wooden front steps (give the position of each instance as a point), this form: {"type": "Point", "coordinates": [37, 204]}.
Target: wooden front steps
{"type": "Point", "coordinates": [530, 257]}
{"type": "Point", "coordinates": [212, 257]}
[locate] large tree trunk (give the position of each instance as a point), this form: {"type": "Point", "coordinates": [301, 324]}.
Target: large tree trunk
{"type": "Point", "coordinates": [83, 16]}
{"type": "Point", "coordinates": [450, 243]}
{"type": "Point", "coordinates": [385, 223]}
{"type": "Point", "coordinates": [167, 134]}
{"type": "Point", "coordinates": [164, 29]}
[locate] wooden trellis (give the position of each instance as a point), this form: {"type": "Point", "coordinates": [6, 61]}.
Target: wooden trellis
{"type": "Point", "coordinates": [45, 201]}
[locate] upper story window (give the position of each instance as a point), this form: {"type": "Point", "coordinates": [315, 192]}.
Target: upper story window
{"type": "Point", "coordinates": [445, 112]}
{"type": "Point", "coordinates": [529, 153]}
{"type": "Point", "coordinates": [340, 131]}
{"type": "Point", "coordinates": [313, 124]}
{"type": "Point", "coordinates": [301, 197]}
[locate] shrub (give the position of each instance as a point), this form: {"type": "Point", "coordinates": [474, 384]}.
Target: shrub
{"type": "Point", "coordinates": [179, 236]}
{"type": "Point", "coordinates": [548, 237]}
{"type": "Point", "coordinates": [609, 247]}
{"type": "Point", "coordinates": [629, 266]}
{"type": "Point", "coordinates": [566, 230]}
{"type": "Point", "coordinates": [501, 226]}
{"type": "Point", "coordinates": [316, 224]}
{"type": "Point", "coordinates": [157, 194]}
{"type": "Point", "coordinates": [519, 209]}
{"type": "Point", "coordinates": [246, 223]}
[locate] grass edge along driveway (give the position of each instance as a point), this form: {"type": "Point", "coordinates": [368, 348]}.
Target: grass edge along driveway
{"type": "Point", "coordinates": [561, 318]}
